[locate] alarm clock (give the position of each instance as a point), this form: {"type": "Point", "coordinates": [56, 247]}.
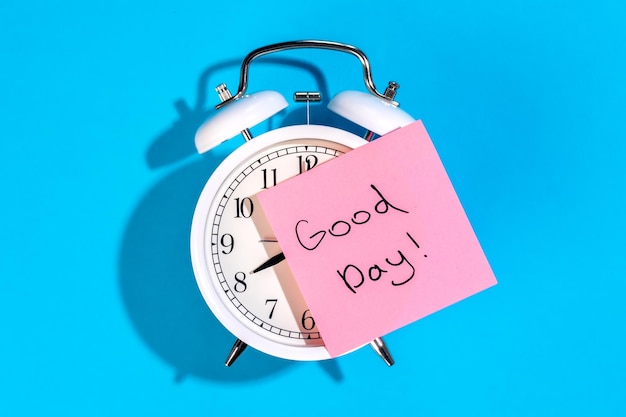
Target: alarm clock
{"type": "Point", "coordinates": [237, 261]}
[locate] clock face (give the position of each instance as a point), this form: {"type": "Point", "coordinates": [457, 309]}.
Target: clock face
{"type": "Point", "coordinates": [231, 238]}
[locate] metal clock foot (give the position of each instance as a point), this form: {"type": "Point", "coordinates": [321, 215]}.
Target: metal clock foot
{"type": "Point", "coordinates": [381, 349]}
{"type": "Point", "coordinates": [237, 349]}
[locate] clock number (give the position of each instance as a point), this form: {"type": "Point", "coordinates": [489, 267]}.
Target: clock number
{"type": "Point", "coordinates": [274, 301]}
{"type": "Point", "coordinates": [307, 320]}
{"type": "Point", "coordinates": [271, 181]}
{"type": "Point", "coordinates": [307, 162]}
{"type": "Point", "coordinates": [240, 285]}
{"type": "Point", "coordinates": [228, 242]}
{"type": "Point", "coordinates": [245, 208]}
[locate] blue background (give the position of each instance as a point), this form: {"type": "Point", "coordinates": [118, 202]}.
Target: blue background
{"type": "Point", "coordinates": [99, 312]}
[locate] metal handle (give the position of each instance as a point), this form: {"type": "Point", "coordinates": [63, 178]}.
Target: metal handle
{"type": "Point", "coordinates": [283, 46]}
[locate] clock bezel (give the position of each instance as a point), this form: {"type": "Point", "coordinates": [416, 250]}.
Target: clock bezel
{"type": "Point", "coordinates": [206, 278]}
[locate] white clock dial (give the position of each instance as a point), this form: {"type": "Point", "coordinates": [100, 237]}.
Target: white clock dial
{"type": "Point", "coordinates": [231, 237]}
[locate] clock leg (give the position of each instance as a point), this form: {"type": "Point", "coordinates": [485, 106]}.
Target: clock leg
{"type": "Point", "coordinates": [237, 349]}
{"type": "Point", "coordinates": [381, 349]}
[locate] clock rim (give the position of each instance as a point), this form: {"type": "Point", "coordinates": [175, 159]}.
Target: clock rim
{"type": "Point", "coordinates": [202, 272]}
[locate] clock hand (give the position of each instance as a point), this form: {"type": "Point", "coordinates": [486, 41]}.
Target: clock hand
{"type": "Point", "coordinates": [269, 263]}
{"type": "Point", "coordinates": [270, 240]}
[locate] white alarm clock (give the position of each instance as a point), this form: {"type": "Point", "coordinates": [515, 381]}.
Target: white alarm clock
{"type": "Point", "coordinates": [236, 259]}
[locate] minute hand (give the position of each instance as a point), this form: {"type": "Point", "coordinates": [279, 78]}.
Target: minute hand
{"type": "Point", "coordinates": [270, 262]}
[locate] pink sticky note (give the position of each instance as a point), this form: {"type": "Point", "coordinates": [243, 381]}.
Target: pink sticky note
{"type": "Point", "coordinates": [377, 239]}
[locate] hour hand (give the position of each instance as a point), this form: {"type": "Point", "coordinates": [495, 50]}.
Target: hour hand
{"type": "Point", "coordinates": [269, 263]}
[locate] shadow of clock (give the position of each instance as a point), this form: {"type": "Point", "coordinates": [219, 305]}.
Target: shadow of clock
{"type": "Point", "coordinates": [159, 290]}
{"type": "Point", "coordinates": [156, 280]}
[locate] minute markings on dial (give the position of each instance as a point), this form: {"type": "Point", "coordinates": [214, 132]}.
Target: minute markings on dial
{"type": "Point", "coordinates": [223, 212]}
